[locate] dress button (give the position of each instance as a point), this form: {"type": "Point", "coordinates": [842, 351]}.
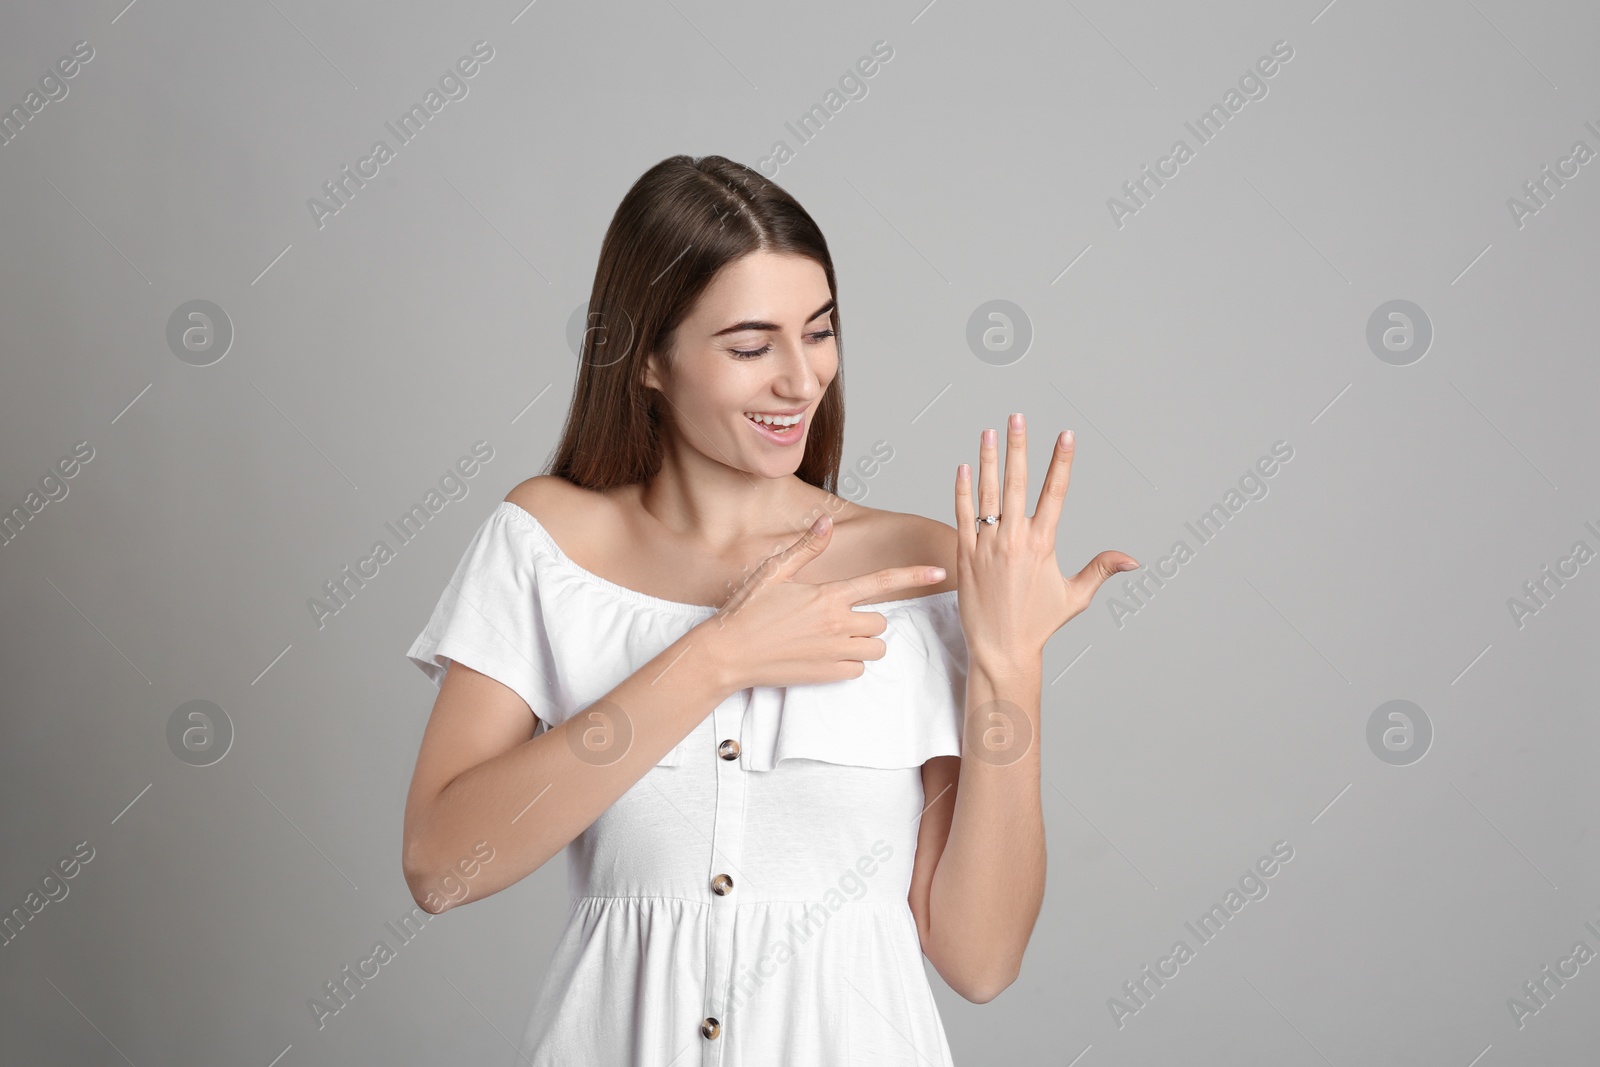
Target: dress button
{"type": "Point", "coordinates": [722, 885]}
{"type": "Point", "coordinates": [710, 1028]}
{"type": "Point", "coordinates": [729, 749]}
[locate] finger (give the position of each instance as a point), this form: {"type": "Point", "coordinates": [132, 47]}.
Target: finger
{"type": "Point", "coordinates": [988, 478]}
{"type": "Point", "coordinates": [966, 528]}
{"type": "Point", "coordinates": [865, 624]}
{"type": "Point", "coordinates": [782, 566]}
{"type": "Point", "coordinates": [865, 648]}
{"type": "Point", "coordinates": [1016, 482]}
{"type": "Point", "coordinates": [1054, 491]}
{"type": "Point", "coordinates": [876, 586]}
{"type": "Point", "coordinates": [1088, 581]}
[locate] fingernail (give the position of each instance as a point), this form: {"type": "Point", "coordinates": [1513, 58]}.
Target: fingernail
{"type": "Point", "coordinates": [1127, 566]}
{"type": "Point", "coordinates": [821, 524]}
{"type": "Point", "coordinates": [935, 574]}
{"type": "Point", "coordinates": [1066, 439]}
{"type": "Point", "coordinates": [988, 438]}
{"type": "Point", "coordinates": [1016, 421]}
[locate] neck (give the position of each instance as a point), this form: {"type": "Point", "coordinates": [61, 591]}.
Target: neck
{"type": "Point", "coordinates": [724, 508]}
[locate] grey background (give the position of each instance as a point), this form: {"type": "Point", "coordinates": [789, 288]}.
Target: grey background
{"type": "Point", "coordinates": [1229, 313]}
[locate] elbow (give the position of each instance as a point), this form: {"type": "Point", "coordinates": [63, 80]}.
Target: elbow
{"type": "Point", "coordinates": [984, 989]}
{"type": "Point", "coordinates": [420, 878]}
{"type": "Point", "coordinates": [977, 980]}
{"type": "Point", "coordinates": [422, 896]}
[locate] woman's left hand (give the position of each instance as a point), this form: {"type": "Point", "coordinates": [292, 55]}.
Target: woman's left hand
{"type": "Point", "coordinates": [1013, 596]}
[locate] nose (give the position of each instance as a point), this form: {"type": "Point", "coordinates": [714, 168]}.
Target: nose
{"type": "Point", "coordinates": [797, 380]}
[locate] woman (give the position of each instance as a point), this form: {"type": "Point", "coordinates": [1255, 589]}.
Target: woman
{"type": "Point", "coordinates": [759, 786]}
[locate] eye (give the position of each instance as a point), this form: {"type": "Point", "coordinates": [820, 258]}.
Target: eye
{"type": "Point", "coordinates": [752, 353]}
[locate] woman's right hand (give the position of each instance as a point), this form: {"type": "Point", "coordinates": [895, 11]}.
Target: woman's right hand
{"type": "Point", "coordinates": [774, 631]}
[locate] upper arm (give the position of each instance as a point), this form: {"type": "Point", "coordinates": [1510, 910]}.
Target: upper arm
{"type": "Point", "coordinates": [475, 718]}
{"type": "Point", "coordinates": [935, 543]}
{"type": "Point", "coordinates": [941, 777]}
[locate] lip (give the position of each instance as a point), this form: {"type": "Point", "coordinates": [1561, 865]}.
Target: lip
{"type": "Point", "coordinates": [794, 435]}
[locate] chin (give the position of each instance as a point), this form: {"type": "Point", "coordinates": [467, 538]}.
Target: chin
{"type": "Point", "coordinates": [776, 468]}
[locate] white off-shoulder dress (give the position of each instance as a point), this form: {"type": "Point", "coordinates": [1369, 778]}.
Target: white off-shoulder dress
{"type": "Point", "coordinates": [744, 904]}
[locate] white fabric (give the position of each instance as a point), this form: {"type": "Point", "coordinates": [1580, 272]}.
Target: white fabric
{"type": "Point", "coordinates": [816, 818]}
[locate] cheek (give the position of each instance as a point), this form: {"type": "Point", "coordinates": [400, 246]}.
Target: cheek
{"type": "Point", "coordinates": [699, 390]}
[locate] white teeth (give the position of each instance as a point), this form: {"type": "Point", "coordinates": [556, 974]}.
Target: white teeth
{"type": "Point", "coordinates": [779, 421]}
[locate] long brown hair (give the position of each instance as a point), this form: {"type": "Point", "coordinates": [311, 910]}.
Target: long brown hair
{"type": "Point", "coordinates": [682, 221]}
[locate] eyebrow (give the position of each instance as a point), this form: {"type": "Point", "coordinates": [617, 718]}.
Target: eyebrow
{"type": "Point", "coordinates": [756, 324]}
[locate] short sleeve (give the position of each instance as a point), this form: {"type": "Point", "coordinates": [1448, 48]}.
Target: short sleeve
{"type": "Point", "coordinates": [489, 616]}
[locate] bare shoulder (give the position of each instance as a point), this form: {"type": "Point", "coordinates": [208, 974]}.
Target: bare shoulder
{"type": "Point", "coordinates": [565, 510]}
{"type": "Point", "coordinates": [541, 493]}
{"type": "Point", "coordinates": [586, 525]}
{"type": "Point", "coordinates": [901, 539]}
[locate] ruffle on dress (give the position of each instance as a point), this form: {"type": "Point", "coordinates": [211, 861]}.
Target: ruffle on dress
{"type": "Point", "coordinates": [905, 709]}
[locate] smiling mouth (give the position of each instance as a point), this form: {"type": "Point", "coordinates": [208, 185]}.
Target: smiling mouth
{"type": "Point", "coordinates": [782, 435]}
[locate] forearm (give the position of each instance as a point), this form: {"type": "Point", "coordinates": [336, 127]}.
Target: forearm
{"type": "Point", "coordinates": [989, 884]}
{"type": "Point", "coordinates": [529, 802]}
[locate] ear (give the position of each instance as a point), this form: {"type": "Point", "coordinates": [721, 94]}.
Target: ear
{"type": "Point", "coordinates": [653, 372]}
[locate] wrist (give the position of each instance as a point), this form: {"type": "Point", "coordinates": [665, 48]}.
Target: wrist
{"type": "Point", "coordinates": [705, 651]}
{"type": "Point", "coordinates": [1004, 665]}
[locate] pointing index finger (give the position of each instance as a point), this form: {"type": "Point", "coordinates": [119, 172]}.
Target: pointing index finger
{"type": "Point", "coordinates": [875, 586]}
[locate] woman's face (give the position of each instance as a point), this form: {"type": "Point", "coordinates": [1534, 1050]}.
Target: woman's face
{"type": "Point", "coordinates": [758, 342]}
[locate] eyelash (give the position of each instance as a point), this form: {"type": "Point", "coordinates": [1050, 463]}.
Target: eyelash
{"type": "Point", "coordinates": [752, 353]}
